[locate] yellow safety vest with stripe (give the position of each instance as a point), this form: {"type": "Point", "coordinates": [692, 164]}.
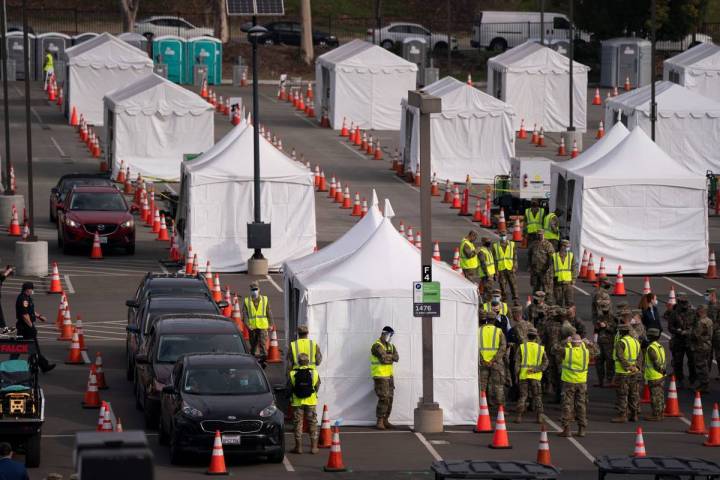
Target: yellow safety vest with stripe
{"type": "Point", "coordinates": [487, 307]}
{"type": "Point", "coordinates": [505, 256]}
{"type": "Point", "coordinates": [378, 369]}
{"type": "Point", "coordinates": [465, 262]}
{"type": "Point", "coordinates": [575, 364]}
{"type": "Point", "coordinates": [257, 316]}
{"type": "Point", "coordinates": [563, 270]}
{"type": "Point", "coordinates": [488, 341]}
{"type": "Point", "coordinates": [489, 262]}
{"type": "Point", "coordinates": [650, 373]}
{"type": "Point", "coordinates": [630, 353]}
{"type": "Point", "coordinates": [531, 355]}
{"type": "Point", "coordinates": [312, 399]}
{"type": "Point", "coordinates": [534, 221]}
{"type": "Point", "coordinates": [549, 234]}
{"type": "Point", "coordinates": [49, 62]}
{"type": "Point", "coordinates": [306, 346]}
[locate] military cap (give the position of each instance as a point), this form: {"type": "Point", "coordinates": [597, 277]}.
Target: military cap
{"type": "Point", "coordinates": [388, 329]}
{"type": "Point", "coordinates": [622, 305]}
{"type": "Point", "coordinates": [564, 242]}
{"type": "Point", "coordinates": [532, 331]}
{"type": "Point", "coordinates": [302, 330]}
{"type": "Point", "coordinates": [701, 307]}
{"type": "Point", "coordinates": [496, 291]}
{"type": "Point", "coordinates": [682, 295]}
{"type": "Point", "coordinates": [624, 327]}
{"type": "Point", "coordinates": [636, 311]}
{"type": "Point", "coordinates": [576, 338]}
{"type": "Point", "coordinates": [485, 240]}
{"type": "Point", "coordinates": [254, 284]}
{"type": "Point", "coordinates": [605, 285]}
{"type": "Point", "coordinates": [710, 290]}
{"type": "Point", "coordinates": [28, 286]}
{"type": "Point", "coordinates": [539, 294]}
{"type": "Point", "coordinates": [516, 308]}
{"type": "Point", "coordinates": [653, 332]}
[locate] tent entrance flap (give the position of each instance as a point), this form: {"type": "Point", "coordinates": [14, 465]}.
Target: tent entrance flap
{"type": "Point", "coordinates": [110, 147]}
{"type": "Point", "coordinates": [326, 89]}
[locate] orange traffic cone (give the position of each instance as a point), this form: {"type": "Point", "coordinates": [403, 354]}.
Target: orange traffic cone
{"type": "Point", "coordinates": [483, 425]}
{"type": "Point", "coordinates": [487, 221]}
{"type": "Point", "coordinates": [697, 426]}
{"type": "Point", "coordinates": [456, 204]}
{"type": "Point", "coordinates": [534, 138]}
{"type": "Point", "coordinates": [346, 203]}
{"type": "Point", "coordinates": [156, 222]}
{"type": "Point", "coordinates": [120, 177]}
{"type": "Point", "coordinates": [81, 333]}
{"type": "Point", "coordinates": [714, 436]}
{"type": "Point", "coordinates": [96, 252]}
{"type": "Point", "coordinates": [619, 289]}
{"type": "Point", "coordinates": [502, 225]}
{"type": "Point", "coordinates": [335, 460]}
{"type": "Point", "coordinates": [596, 99]}
{"type": "Point", "coordinates": [189, 259]}
{"type": "Point", "coordinates": [204, 89]}
{"type": "Point", "coordinates": [465, 204]}
{"type": "Point", "coordinates": [712, 267]}
{"type": "Point", "coordinates": [209, 276]}
{"type": "Point", "coordinates": [74, 355]}
{"type": "Point", "coordinates": [434, 187]}
{"type": "Point", "coordinates": [583, 265]}
{"type": "Point", "coordinates": [163, 233]}
{"type": "Point", "coordinates": [217, 460]}
{"type": "Point", "coordinates": [646, 286]}
{"type": "Point", "coordinates": [561, 149]}
{"type": "Point", "coordinates": [55, 285]}
{"type": "Point", "coordinates": [357, 209]}
{"type": "Point", "coordinates": [416, 178]}
{"type": "Point", "coordinates": [91, 399]}
{"type": "Point", "coordinates": [541, 138]}
{"type": "Point", "coordinates": [543, 453]}
{"type": "Point", "coordinates": [339, 196]}
{"type": "Point", "coordinates": [101, 417]}
{"type": "Point", "coordinates": [469, 80]}
{"type": "Point", "coordinates": [99, 372]}
{"type": "Point", "coordinates": [639, 444]}
{"type": "Point", "coordinates": [574, 152]}
{"type": "Point", "coordinates": [237, 318]}
{"type": "Point", "coordinates": [61, 311]}
{"type": "Point", "coordinates": [343, 130]}
{"type": "Point", "coordinates": [107, 421]}
{"type": "Point", "coordinates": [418, 240]}
{"type": "Point", "coordinates": [227, 310]}
{"type": "Point", "coordinates": [601, 131]}
{"type": "Point", "coordinates": [333, 188]}
{"type": "Point", "coordinates": [378, 154]}
{"type": "Point", "coordinates": [118, 425]}
{"type": "Point", "coordinates": [74, 118]}
{"type": "Point", "coordinates": [436, 252]}
{"type": "Point", "coordinates": [645, 399]}
{"type": "Point", "coordinates": [370, 144]}
{"type": "Point", "coordinates": [522, 134]}
{"type": "Point", "coordinates": [401, 229]}
{"type": "Point", "coordinates": [14, 230]}
{"type": "Point", "coordinates": [410, 235]}
{"type": "Point", "coordinates": [66, 330]}
{"type": "Point", "coordinates": [602, 274]}
{"type": "Point", "coordinates": [591, 276]}
{"type": "Point", "coordinates": [500, 437]}
{"type": "Point", "coordinates": [216, 290]}
{"type": "Point", "coordinates": [325, 440]}
{"type": "Point", "coordinates": [322, 186]}
{"type": "Point", "coordinates": [672, 407]}
{"type": "Point", "coordinates": [478, 214]}
{"type": "Point", "coordinates": [456, 260]}
{"type": "Point", "coordinates": [274, 350]}
{"type": "Point", "coordinates": [447, 198]}
{"type": "Point", "coordinates": [627, 86]}
{"type": "Point", "coordinates": [671, 296]}
{"type": "Point", "coordinates": [517, 231]}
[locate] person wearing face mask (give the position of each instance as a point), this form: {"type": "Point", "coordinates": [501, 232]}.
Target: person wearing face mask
{"type": "Point", "coordinates": [680, 321]}
{"type": "Point", "coordinates": [637, 329]}
{"type": "Point", "coordinates": [714, 315]}
{"type": "Point", "coordinates": [506, 264]}
{"type": "Point", "coordinates": [26, 317]}
{"type": "Point", "coordinates": [565, 267]}
{"type": "Point", "coordinates": [536, 312]}
{"type": "Point", "coordinates": [496, 296]}
{"type": "Point", "coordinates": [627, 374]}
{"type": "Point", "coordinates": [256, 311]}
{"type": "Point", "coordinates": [649, 312]}
{"type": "Point", "coordinates": [486, 267]}
{"type": "Point", "coordinates": [382, 356]}
{"type": "Point", "coordinates": [468, 256]}
{"type": "Point", "coordinates": [654, 374]}
{"type": "Point", "coordinates": [605, 329]}
{"type": "Point", "coordinates": [551, 225]}
{"type": "Point", "coordinates": [574, 355]}
{"type": "Point", "coordinates": [534, 217]}
{"type": "Point", "coordinates": [600, 294]}
{"type": "Point", "coordinates": [491, 361]}
{"type": "Point", "coordinates": [540, 259]}
{"type": "Point", "coordinates": [304, 384]}
{"type": "Point", "coordinates": [701, 346]}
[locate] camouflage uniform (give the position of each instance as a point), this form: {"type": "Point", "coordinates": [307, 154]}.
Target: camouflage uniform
{"type": "Point", "coordinates": [536, 312]}
{"type": "Point", "coordinates": [564, 291]}
{"type": "Point", "coordinates": [506, 278]}
{"type": "Point", "coordinates": [657, 390]}
{"type": "Point", "coordinates": [604, 327]}
{"type": "Point", "coordinates": [680, 320]}
{"type": "Point", "coordinates": [714, 315]}
{"type": "Point", "coordinates": [600, 295]}
{"type": "Point", "coordinates": [627, 403]}
{"type": "Point", "coordinates": [574, 395]}
{"type": "Point", "coordinates": [551, 338]}
{"type": "Point", "coordinates": [529, 387]}
{"type": "Point", "coordinates": [541, 268]}
{"type": "Point", "coordinates": [701, 347]}
{"type": "Point", "coordinates": [491, 375]}
{"type": "Point", "coordinates": [384, 386]}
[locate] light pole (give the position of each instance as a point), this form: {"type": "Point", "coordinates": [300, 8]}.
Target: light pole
{"type": "Point", "coordinates": [4, 53]}
{"type": "Point", "coordinates": [28, 124]}
{"type": "Point", "coordinates": [653, 103]}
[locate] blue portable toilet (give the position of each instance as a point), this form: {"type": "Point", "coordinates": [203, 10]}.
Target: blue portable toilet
{"type": "Point", "coordinates": [171, 49]}
{"type": "Point", "coordinates": [57, 43]}
{"type": "Point", "coordinates": [206, 50]}
{"type": "Point", "coordinates": [16, 51]}
{"type": "Point", "coordinates": [83, 37]}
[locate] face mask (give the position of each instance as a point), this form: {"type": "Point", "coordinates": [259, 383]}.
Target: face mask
{"type": "Point", "coordinates": [654, 302]}
{"type": "Point", "coordinates": [633, 321]}
{"type": "Point", "coordinates": [536, 301]}
{"type": "Point", "coordinates": [496, 297]}
{"type": "Point", "coordinates": [503, 238]}
{"type": "Point", "coordinates": [566, 249]}
{"type": "Point", "coordinates": [255, 293]}
{"type": "Point", "coordinates": [386, 337]}
{"type": "Point", "coordinates": [707, 298]}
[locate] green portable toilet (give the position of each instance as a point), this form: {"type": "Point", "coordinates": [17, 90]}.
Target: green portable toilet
{"type": "Point", "coordinates": [206, 50]}
{"type": "Point", "coordinates": [171, 50]}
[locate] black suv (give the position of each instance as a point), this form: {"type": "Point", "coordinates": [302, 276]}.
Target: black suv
{"type": "Point", "coordinates": [177, 284]}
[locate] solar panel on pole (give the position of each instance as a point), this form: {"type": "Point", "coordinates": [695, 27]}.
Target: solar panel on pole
{"type": "Point", "coordinates": [255, 7]}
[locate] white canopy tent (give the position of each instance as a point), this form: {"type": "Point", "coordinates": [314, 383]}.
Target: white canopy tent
{"type": "Point", "coordinates": [151, 123]}
{"type": "Point", "coordinates": [697, 69]}
{"type": "Point", "coordinates": [687, 127]}
{"type": "Point", "coordinates": [216, 203]}
{"type": "Point", "coordinates": [363, 83]}
{"type": "Point", "coordinates": [347, 302]}
{"type": "Point", "coordinates": [639, 208]}
{"type": "Point", "coordinates": [97, 67]}
{"type": "Point", "coordinates": [534, 80]}
{"type": "Point", "coordinates": [473, 135]}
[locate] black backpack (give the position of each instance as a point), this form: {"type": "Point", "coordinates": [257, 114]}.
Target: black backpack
{"type": "Point", "coordinates": [303, 387]}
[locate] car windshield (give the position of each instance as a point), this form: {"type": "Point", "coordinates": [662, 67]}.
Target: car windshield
{"type": "Point", "coordinates": [98, 201]}
{"type": "Point", "coordinates": [213, 380]}
{"type": "Point", "coordinates": [173, 346]}
{"type": "Point", "coordinates": [198, 305]}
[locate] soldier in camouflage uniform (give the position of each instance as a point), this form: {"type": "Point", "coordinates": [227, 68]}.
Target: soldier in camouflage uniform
{"type": "Point", "coordinates": [491, 360]}
{"type": "Point", "coordinates": [382, 356]}
{"type": "Point", "coordinates": [574, 321]}
{"type": "Point", "coordinates": [565, 272]}
{"type": "Point", "coordinates": [604, 327]}
{"type": "Point", "coordinates": [637, 329]}
{"type": "Point", "coordinates": [551, 338]}
{"type": "Point", "coordinates": [654, 373]}
{"type": "Point", "coordinates": [680, 321]}
{"type": "Point", "coordinates": [536, 312]}
{"type": "Point", "coordinates": [519, 324]}
{"type": "Point", "coordinates": [528, 371]}
{"type": "Point", "coordinates": [506, 263]}
{"type": "Point", "coordinates": [486, 273]}
{"type": "Point", "coordinates": [714, 315]}
{"type": "Point", "coordinates": [701, 347]}
{"type": "Point", "coordinates": [574, 355]}
{"type": "Point", "coordinates": [304, 409]}
{"type": "Point", "coordinates": [601, 294]}
{"type": "Point", "coordinates": [627, 375]}
{"type": "Point", "coordinates": [541, 266]}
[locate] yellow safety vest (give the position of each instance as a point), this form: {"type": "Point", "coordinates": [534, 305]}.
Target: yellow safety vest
{"type": "Point", "coordinates": [575, 364]}
{"type": "Point", "coordinates": [549, 234]}
{"type": "Point", "coordinates": [306, 346]}
{"type": "Point", "coordinates": [504, 256]}
{"type": "Point", "coordinates": [487, 307]}
{"type": "Point", "coordinates": [312, 399]}
{"type": "Point", "coordinates": [257, 316]}
{"type": "Point", "coordinates": [534, 222]}
{"type": "Point", "coordinates": [563, 270]}
{"type": "Point", "coordinates": [49, 62]}
{"type": "Point", "coordinates": [489, 262]}
{"type": "Point", "coordinates": [531, 354]}
{"type": "Point", "coordinates": [630, 353]}
{"type": "Point", "coordinates": [378, 369]}
{"type": "Point", "coordinates": [650, 373]}
{"type": "Point", "coordinates": [488, 341]}
{"type": "Point", "coordinates": [465, 262]}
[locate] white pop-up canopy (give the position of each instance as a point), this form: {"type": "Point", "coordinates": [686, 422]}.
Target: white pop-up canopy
{"type": "Point", "coordinates": [697, 69]}
{"type": "Point", "coordinates": [639, 208]}
{"type": "Point", "coordinates": [97, 67]}
{"type": "Point", "coordinates": [687, 126]}
{"type": "Point", "coordinates": [216, 203]}
{"type": "Point", "coordinates": [534, 79]}
{"type": "Point", "coordinates": [347, 302]}
{"type": "Point", "coordinates": [154, 122]}
{"type": "Point", "coordinates": [363, 83]}
{"type": "Point", "coordinates": [473, 135]}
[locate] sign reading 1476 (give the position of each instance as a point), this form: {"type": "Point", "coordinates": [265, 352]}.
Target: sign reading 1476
{"type": "Point", "coordinates": [426, 299]}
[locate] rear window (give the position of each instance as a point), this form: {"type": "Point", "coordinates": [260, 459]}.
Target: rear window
{"type": "Point", "coordinates": [98, 201]}
{"type": "Point", "coordinates": [179, 289]}
{"type": "Point", "coordinates": [69, 183]}
{"type": "Point", "coordinates": [201, 305]}
{"type": "Point", "coordinates": [171, 347]}
{"type": "Point", "coordinates": [212, 380]}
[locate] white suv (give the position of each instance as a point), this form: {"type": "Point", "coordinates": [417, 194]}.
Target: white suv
{"type": "Point", "coordinates": [158, 26]}
{"type": "Point", "coordinates": [397, 32]}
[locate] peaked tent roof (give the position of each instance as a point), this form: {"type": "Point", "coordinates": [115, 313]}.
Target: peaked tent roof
{"type": "Point", "coordinates": [702, 58]}
{"type": "Point", "coordinates": [531, 57]}
{"type": "Point", "coordinates": [154, 94]}
{"type": "Point", "coordinates": [673, 100]}
{"type": "Point", "coordinates": [107, 51]}
{"type": "Point", "coordinates": [637, 160]}
{"type": "Point", "coordinates": [231, 160]}
{"type": "Point", "coordinates": [362, 56]}
{"type": "Point", "coordinates": [463, 100]}
{"type": "Point", "coordinates": [598, 150]}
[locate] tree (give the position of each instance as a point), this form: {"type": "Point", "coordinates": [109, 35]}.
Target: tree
{"type": "Point", "coordinates": [220, 20]}
{"type": "Point", "coordinates": [129, 13]}
{"type": "Point", "coordinates": [306, 41]}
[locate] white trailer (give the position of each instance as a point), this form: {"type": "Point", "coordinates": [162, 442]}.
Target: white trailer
{"type": "Point", "coordinates": [530, 178]}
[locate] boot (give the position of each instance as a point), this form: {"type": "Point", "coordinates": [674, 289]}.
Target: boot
{"type": "Point", "coordinates": [581, 431]}
{"type": "Point", "coordinates": [298, 446]}
{"type": "Point", "coordinates": [380, 425]}
{"type": "Point", "coordinates": [314, 446]}
{"type": "Point", "coordinates": [652, 418]}
{"type": "Point", "coordinates": [387, 423]}
{"type": "Point", "coordinates": [619, 419]}
{"type": "Point", "coordinates": [566, 432]}
{"type": "Point", "coordinates": [518, 418]}
{"type": "Point", "coordinates": [634, 417]}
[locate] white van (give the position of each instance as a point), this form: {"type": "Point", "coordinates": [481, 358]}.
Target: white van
{"type": "Point", "coordinates": [498, 31]}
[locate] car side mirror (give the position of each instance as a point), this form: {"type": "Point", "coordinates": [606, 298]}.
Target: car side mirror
{"type": "Point", "coordinates": [169, 389]}
{"type": "Point", "coordinates": [141, 359]}
{"type": "Point", "coordinates": [131, 304]}
{"type": "Point", "coordinates": [222, 304]}
{"type": "Point", "coordinates": [132, 329]}
{"type": "Point", "coordinates": [134, 209]}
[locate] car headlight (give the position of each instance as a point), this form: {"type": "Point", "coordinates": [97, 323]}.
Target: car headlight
{"type": "Point", "coordinates": [71, 223]}
{"type": "Point", "coordinates": [268, 411]}
{"type": "Point", "coordinates": [127, 224]}
{"type": "Point", "coordinates": [191, 411]}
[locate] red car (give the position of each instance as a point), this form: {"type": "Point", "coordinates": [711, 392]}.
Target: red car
{"type": "Point", "coordinates": [90, 209]}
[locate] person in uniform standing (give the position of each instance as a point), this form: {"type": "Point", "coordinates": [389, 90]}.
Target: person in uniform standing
{"type": "Point", "coordinates": [714, 315]}
{"type": "Point", "coordinates": [551, 338]}
{"type": "Point", "coordinates": [506, 264]}
{"type": "Point", "coordinates": [627, 376]}
{"type": "Point", "coordinates": [48, 67]}
{"type": "Point", "coordinates": [600, 295]}
{"type": "Point", "coordinates": [530, 363]}
{"type": "Point", "coordinates": [496, 296]}
{"type": "Point", "coordinates": [551, 225]}
{"type": "Point", "coordinates": [303, 345]}
{"type": "Point", "coordinates": [256, 311]}
{"type": "Point", "coordinates": [701, 348]}
{"type": "Point", "coordinates": [491, 365]}
{"type": "Point", "coordinates": [26, 317]}
{"type": "Point", "coordinates": [486, 267]}
{"type": "Point", "coordinates": [382, 356]}
{"type": "Point", "coordinates": [534, 217]}
{"type": "Point", "coordinates": [468, 256]}
{"type": "Point", "coordinates": [540, 259]}
{"type": "Point", "coordinates": [680, 321]}
{"type": "Point", "coordinates": [654, 374]}
{"type": "Point", "coordinates": [304, 386]}
{"type": "Point", "coordinates": [574, 355]}
{"type": "Point", "coordinates": [565, 268]}
{"type": "Point", "coordinates": [536, 312]}
{"type": "Point", "coordinates": [3, 276]}
{"type": "Point", "coordinates": [605, 329]}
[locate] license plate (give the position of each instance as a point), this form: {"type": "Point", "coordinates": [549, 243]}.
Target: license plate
{"type": "Point", "coordinates": [103, 239]}
{"type": "Point", "coordinates": [231, 439]}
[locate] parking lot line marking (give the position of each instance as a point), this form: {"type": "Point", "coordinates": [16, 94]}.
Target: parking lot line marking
{"type": "Point", "coordinates": [340, 142]}
{"type": "Point", "coordinates": [683, 286]}
{"type": "Point", "coordinates": [68, 284]}
{"type": "Point", "coordinates": [305, 119]}
{"type": "Point", "coordinates": [572, 440]}
{"type": "Point", "coordinates": [288, 466]}
{"type": "Point", "coordinates": [57, 146]}
{"type": "Point", "coordinates": [428, 446]}
{"type": "Point", "coordinates": [274, 284]}
{"type": "Point", "coordinates": [581, 290]}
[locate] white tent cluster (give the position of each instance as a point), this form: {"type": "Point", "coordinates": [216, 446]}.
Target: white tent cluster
{"type": "Point", "coordinates": [473, 135]}
{"type": "Point", "coordinates": [697, 69]}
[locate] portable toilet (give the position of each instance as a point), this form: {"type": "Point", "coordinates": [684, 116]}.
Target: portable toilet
{"type": "Point", "coordinates": [135, 39]}
{"type": "Point", "coordinates": [170, 50]}
{"type": "Point", "coordinates": [83, 37]}
{"type": "Point", "coordinates": [16, 51]}
{"type": "Point", "coordinates": [208, 51]}
{"type": "Point", "coordinates": [625, 58]}
{"type": "Point", "coordinates": [56, 43]}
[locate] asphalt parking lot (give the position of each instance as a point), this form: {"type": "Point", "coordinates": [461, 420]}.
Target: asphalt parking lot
{"type": "Point", "coordinates": [98, 289]}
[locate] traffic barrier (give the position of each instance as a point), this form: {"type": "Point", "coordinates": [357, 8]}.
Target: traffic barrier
{"type": "Point", "coordinates": [596, 99]}
{"type": "Point", "coordinates": [217, 459]}
{"type": "Point", "coordinates": [561, 149]}
{"type": "Point", "coordinates": [500, 437]}
{"type": "Point", "coordinates": [602, 274]}
{"type": "Point", "coordinates": [639, 444]}
{"type": "Point", "coordinates": [601, 131]}
{"type": "Point", "coordinates": [502, 225]}
{"type": "Point", "coordinates": [483, 424]}
{"type": "Point", "coordinates": [162, 232]}
{"type": "Point", "coordinates": [671, 296]}
{"type": "Point", "coordinates": [646, 286]}
{"type": "Point", "coordinates": [522, 134]}
{"type": "Point", "coordinates": [583, 265]}
{"type": "Point", "coordinates": [216, 290]}
{"type": "Point", "coordinates": [274, 350]}
{"type": "Point", "coordinates": [672, 407]}
{"type": "Point", "coordinates": [436, 252]}
{"type": "Point", "coordinates": [574, 152]}
{"type": "Point", "coordinates": [456, 259]}
{"type": "Point", "coordinates": [591, 277]}
{"type": "Point", "coordinates": [356, 209]}
{"type": "Point", "coordinates": [99, 372]}
{"type": "Point", "coordinates": [335, 460]}
{"type": "Point", "coordinates": [619, 289]}
{"type": "Point", "coordinates": [325, 439]}
{"type": "Point", "coordinates": [712, 267]}
{"type": "Point", "coordinates": [517, 231]}
{"type": "Point", "coordinates": [66, 330]}
{"type": "Point", "coordinates": [91, 399]}
{"type": "Point", "coordinates": [697, 424]}
{"type": "Point", "coordinates": [55, 285]}
{"type": "Point", "coordinates": [96, 252]}
{"type": "Point", "coordinates": [714, 435]}
{"type": "Point", "coordinates": [74, 354]}
{"type": "Point", "coordinates": [543, 452]}
{"type": "Point", "coordinates": [478, 215]}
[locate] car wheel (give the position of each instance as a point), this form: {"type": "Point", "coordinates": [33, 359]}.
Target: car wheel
{"type": "Point", "coordinates": [130, 249]}
{"type": "Point", "coordinates": [278, 457]}
{"type": "Point", "coordinates": [130, 370]}
{"type": "Point", "coordinates": [387, 44]}
{"type": "Point", "coordinates": [498, 45]}
{"type": "Point", "coordinates": [32, 451]}
{"type": "Point", "coordinates": [138, 402]}
{"type": "Point", "coordinates": [151, 421]}
{"type": "Point", "coordinates": [176, 453]}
